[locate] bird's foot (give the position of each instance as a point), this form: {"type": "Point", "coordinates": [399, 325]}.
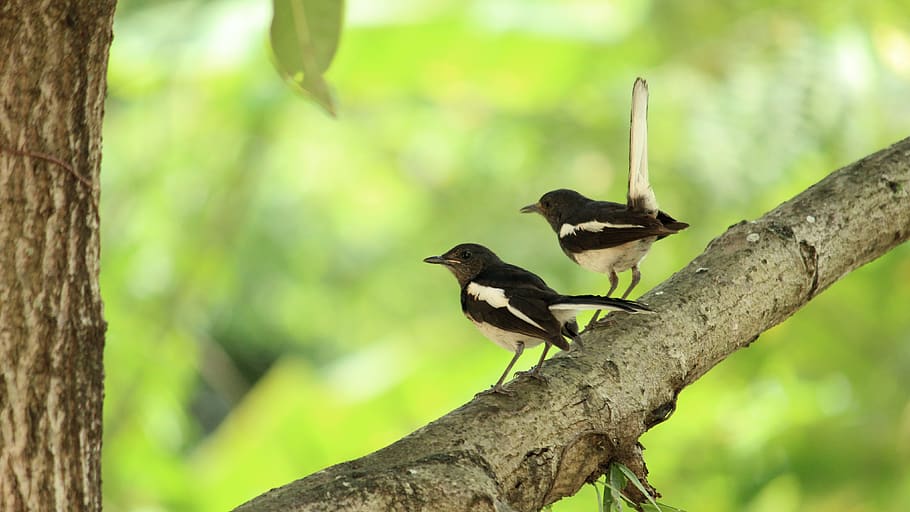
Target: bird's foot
{"type": "Point", "coordinates": [535, 374]}
{"type": "Point", "coordinates": [597, 322]}
{"type": "Point", "coordinates": [593, 319]}
{"type": "Point", "coordinates": [496, 389]}
{"type": "Point", "coordinates": [605, 319]}
{"type": "Point", "coordinates": [576, 345]}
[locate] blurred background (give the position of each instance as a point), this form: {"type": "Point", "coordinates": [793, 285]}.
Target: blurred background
{"type": "Point", "coordinates": [269, 311]}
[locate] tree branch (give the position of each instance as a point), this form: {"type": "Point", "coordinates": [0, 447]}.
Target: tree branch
{"type": "Point", "coordinates": [528, 450]}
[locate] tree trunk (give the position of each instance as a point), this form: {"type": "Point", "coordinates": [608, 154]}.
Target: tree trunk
{"type": "Point", "coordinates": [53, 64]}
{"type": "Point", "coordinates": [522, 452]}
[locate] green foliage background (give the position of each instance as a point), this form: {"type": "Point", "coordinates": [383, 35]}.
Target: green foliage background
{"type": "Point", "coordinates": [269, 312]}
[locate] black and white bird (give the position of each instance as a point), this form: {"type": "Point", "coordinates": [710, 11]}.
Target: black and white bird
{"type": "Point", "coordinates": [608, 237]}
{"type": "Point", "coordinates": [515, 308]}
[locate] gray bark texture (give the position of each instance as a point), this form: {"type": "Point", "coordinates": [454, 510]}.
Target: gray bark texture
{"type": "Point", "coordinates": [522, 452]}
{"type": "Point", "coordinates": [53, 62]}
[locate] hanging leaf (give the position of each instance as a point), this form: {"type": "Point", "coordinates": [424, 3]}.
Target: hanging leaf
{"type": "Point", "coordinates": [616, 483]}
{"type": "Point", "coordinates": [304, 36]}
{"type": "Point", "coordinates": [635, 481]}
{"type": "Point", "coordinates": [660, 507]}
{"type": "Point", "coordinates": [601, 502]}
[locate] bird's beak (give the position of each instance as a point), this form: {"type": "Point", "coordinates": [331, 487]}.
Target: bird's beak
{"type": "Point", "coordinates": [438, 260]}
{"type": "Point", "coordinates": [531, 208]}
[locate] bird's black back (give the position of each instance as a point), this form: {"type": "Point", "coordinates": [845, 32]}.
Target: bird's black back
{"type": "Point", "coordinates": [525, 292]}
{"type": "Point", "coordinates": [614, 213]}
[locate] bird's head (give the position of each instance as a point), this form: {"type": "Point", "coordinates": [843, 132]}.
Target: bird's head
{"type": "Point", "coordinates": [557, 205]}
{"type": "Point", "coordinates": [465, 261]}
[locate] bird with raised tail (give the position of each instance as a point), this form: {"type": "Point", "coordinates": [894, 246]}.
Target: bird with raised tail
{"type": "Point", "coordinates": [515, 308]}
{"type": "Point", "coordinates": [608, 237]}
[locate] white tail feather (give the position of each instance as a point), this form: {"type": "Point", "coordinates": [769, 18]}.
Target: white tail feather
{"type": "Point", "coordinates": [641, 195]}
{"type": "Point", "coordinates": [584, 307]}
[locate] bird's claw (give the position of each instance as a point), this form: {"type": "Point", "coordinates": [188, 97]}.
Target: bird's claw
{"type": "Point", "coordinates": [605, 319]}
{"type": "Point", "coordinates": [535, 374]}
{"type": "Point", "coordinates": [576, 345]}
{"type": "Point", "coordinates": [596, 321]}
{"type": "Point", "coordinates": [495, 390]}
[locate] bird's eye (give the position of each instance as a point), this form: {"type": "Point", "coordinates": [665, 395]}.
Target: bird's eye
{"type": "Point", "coordinates": [465, 254]}
{"type": "Point", "coordinates": [545, 203]}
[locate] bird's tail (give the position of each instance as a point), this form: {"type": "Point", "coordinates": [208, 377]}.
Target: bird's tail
{"type": "Point", "coordinates": [641, 196]}
{"type": "Point", "coordinates": [670, 224]}
{"type": "Point", "coordinates": [583, 302]}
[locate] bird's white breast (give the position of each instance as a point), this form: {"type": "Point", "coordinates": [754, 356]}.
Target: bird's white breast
{"type": "Point", "coordinates": [505, 339]}
{"type": "Point", "coordinates": [618, 259]}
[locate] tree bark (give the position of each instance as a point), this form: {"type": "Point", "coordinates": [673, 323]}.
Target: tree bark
{"type": "Point", "coordinates": [528, 450]}
{"type": "Point", "coordinates": [53, 62]}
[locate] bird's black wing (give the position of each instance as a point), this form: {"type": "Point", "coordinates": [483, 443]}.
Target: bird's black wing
{"type": "Point", "coordinates": [603, 224]}
{"type": "Point", "coordinates": [515, 300]}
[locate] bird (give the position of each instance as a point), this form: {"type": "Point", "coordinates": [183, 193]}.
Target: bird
{"type": "Point", "coordinates": [608, 237]}
{"type": "Point", "coordinates": [515, 308]}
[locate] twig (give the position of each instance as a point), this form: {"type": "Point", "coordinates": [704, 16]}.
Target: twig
{"type": "Point", "coordinates": [54, 160]}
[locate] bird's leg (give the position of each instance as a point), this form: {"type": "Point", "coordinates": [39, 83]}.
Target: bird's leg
{"type": "Point", "coordinates": [636, 277]}
{"type": "Point", "coordinates": [497, 388]}
{"type": "Point", "coordinates": [535, 372]}
{"type": "Point", "coordinates": [614, 282]}
{"type": "Point", "coordinates": [593, 319]}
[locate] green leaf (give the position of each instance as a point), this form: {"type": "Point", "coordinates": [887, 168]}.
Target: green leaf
{"type": "Point", "coordinates": [601, 505]}
{"type": "Point", "coordinates": [613, 499]}
{"type": "Point", "coordinates": [304, 36]}
{"type": "Point", "coordinates": [660, 507]}
{"type": "Point", "coordinates": [635, 481]}
{"type": "Point", "coordinates": [617, 484]}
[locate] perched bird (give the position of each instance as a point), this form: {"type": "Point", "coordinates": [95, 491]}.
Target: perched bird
{"type": "Point", "coordinates": [609, 237]}
{"type": "Point", "coordinates": [515, 308]}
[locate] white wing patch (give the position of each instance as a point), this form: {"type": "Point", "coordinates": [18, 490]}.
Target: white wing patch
{"type": "Point", "coordinates": [496, 297]}
{"type": "Point", "coordinates": [592, 226]}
